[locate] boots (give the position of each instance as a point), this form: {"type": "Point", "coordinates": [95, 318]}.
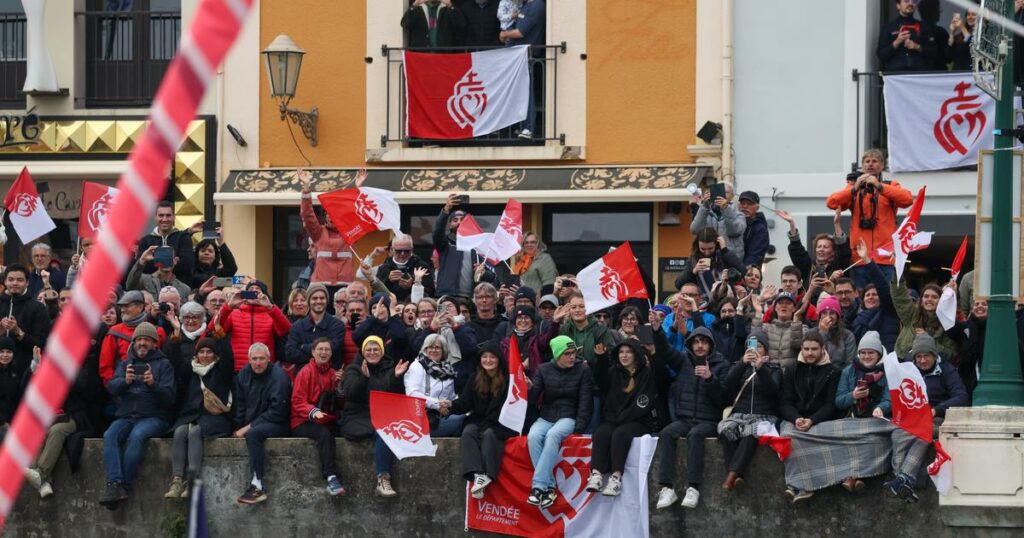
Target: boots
{"type": "Point", "coordinates": [732, 481]}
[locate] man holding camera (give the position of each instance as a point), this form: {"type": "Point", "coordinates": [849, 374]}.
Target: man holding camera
{"type": "Point", "coordinates": [906, 44]}
{"type": "Point", "coordinates": [397, 272]}
{"type": "Point", "coordinates": [166, 235]}
{"type": "Point", "coordinates": [118, 339]}
{"type": "Point", "coordinates": [873, 202]}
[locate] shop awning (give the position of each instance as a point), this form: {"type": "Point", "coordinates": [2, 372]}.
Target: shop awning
{"type": "Point", "coordinates": [664, 182]}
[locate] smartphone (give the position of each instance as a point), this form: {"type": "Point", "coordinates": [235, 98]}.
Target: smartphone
{"type": "Point", "coordinates": [248, 295]}
{"type": "Point", "coordinates": [210, 229]}
{"type": "Point", "coordinates": [645, 333]}
{"type": "Point", "coordinates": [751, 343]}
{"type": "Point", "coordinates": [463, 199]}
{"type": "Point", "coordinates": [717, 190]}
{"type": "Point", "coordinates": [862, 383]}
{"type": "Point", "coordinates": [223, 281]}
{"type": "Point", "coordinates": [237, 280]}
{"type": "Point", "coordinates": [705, 261]}
{"type": "Point", "coordinates": [163, 256]}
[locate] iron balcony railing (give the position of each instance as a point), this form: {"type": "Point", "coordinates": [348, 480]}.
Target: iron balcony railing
{"type": "Point", "coordinates": [126, 55]}
{"type": "Point", "coordinates": [544, 68]}
{"type": "Point", "coordinates": [12, 60]}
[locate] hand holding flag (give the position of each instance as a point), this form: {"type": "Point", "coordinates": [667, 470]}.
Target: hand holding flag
{"type": "Point", "coordinates": [28, 215]}
{"type": "Point", "coordinates": [359, 211]}
{"type": "Point", "coordinates": [611, 280]}
{"type": "Point", "coordinates": [513, 411]}
{"type": "Point", "coordinates": [907, 239]}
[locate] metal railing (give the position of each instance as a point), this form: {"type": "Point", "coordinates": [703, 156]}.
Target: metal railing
{"type": "Point", "coordinates": [543, 65]}
{"type": "Point", "coordinates": [126, 55]}
{"type": "Point", "coordinates": [12, 60]}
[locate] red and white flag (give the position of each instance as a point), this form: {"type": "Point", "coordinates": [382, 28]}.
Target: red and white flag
{"type": "Point", "coordinates": [941, 470]}
{"type": "Point", "coordinates": [508, 237]}
{"type": "Point", "coordinates": [611, 280]}
{"type": "Point", "coordinates": [401, 421]}
{"type": "Point", "coordinates": [958, 260]}
{"type": "Point", "coordinates": [513, 411]}
{"type": "Point", "coordinates": [910, 408]}
{"type": "Point", "coordinates": [768, 434]}
{"type": "Point", "coordinates": [453, 96]}
{"type": "Point", "coordinates": [28, 215]}
{"type": "Point", "coordinates": [907, 239]}
{"type": "Point", "coordinates": [357, 212]}
{"type": "Point", "coordinates": [96, 199]}
{"type": "Point", "coordinates": [470, 236]}
{"type": "Point", "coordinates": [936, 121]}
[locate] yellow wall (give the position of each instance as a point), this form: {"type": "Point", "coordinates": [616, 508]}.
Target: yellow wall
{"type": "Point", "coordinates": [641, 89]}
{"type": "Point", "coordinates": [333, 78]}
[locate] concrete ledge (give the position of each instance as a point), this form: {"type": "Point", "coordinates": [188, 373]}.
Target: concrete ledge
{"type": "Point", "coordinates": [431, 499]}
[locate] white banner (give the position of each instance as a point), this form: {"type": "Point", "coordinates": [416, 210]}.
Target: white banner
{"type": "Point", "coordinates": [936, 121]}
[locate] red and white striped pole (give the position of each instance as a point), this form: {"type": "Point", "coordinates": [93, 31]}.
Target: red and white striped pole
{"type": "Point", "coordinates": [213, 30]}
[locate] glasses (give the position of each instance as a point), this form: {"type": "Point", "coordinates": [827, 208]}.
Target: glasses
{"type": "Point", "coordinates": [426, 311]}
{"type": "Point", "coordinates": [403, 251]}
{"type": "Point", "coordinates": [437, 347]}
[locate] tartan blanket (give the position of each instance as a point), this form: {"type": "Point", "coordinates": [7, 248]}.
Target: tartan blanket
{"type": "Point", "coordinates": [859, 447]}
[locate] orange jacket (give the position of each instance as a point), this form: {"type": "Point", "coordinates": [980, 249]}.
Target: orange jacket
{"type": "Point", "coordinates": [892, 197]}
{"type": "Point", "coordinates": [334, 263]}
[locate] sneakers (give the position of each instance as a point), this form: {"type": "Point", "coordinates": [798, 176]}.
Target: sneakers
{"type": "Point", "coordinates": [113, 495]}
{"type": "Point", "coordinates": [667, 497]}
{"type": "Point", "coordinates": [691, 498]}
{"type": "Point", "coordinates": [384, 488]}
{"type": "Point", "coordinates": [176, 489]}
{"type": "Point", "coordinates": [594, 482]}
{"type": "Point", "coordinates": [253, 495]}
{"type": "Point", "coordinates": [853, 485]}
{"type": "Point", "coordinates": [33, 477]}
{"type": "Point", "coordinates": [186, 486]}
{"type": "Point", "coordinates": [536, 497]}
{"type": "Point", "coordinates": [45, 490]}
{"type": "Point", "coordinates": [797, 494]}
{"type": "Point", "coordinates": [902, 487]}
{"type": "Point", "coordinates": [614, 486]}
{"type": "Point", "coordinates": [549, 498]}
{"type": "Point", "coordinates": [525, 134]}
{"type": "Point", "coordinates": [334, 486]}
{"type": "Point", "coordinates": [480, 482]}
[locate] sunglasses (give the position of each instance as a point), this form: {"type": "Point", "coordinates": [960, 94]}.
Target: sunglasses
{"type": "Point", "coordinates": [403, 251]}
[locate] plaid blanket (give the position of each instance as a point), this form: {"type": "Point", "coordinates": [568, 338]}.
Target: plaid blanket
{"type": "Point", "coordinates": [859, 447]}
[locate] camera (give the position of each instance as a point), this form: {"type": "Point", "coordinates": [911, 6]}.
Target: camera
{"type": "Point", "coordinates": [165, 308]}
{"type": "Point", "coordinates": [353, 319]}
{"type": "Point", "coordinates": [733, 276]}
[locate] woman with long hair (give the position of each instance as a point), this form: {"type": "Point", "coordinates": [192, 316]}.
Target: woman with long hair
{"type": "Point", "coordinates": [709, 257]}
{"type": "Point", "coordinates": [921, 318]}
{"type": "Point", "coordinates": [535, 267]}
{"type": "Point", "coordinates": [840, 342]}
{"type": "Point", "coordinates": [213, 258]}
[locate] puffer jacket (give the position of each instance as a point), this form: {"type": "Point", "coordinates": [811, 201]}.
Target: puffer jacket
{"type": "Point", "coordinates": [262, 398]}
{"type": "Point", "coordinates": [727, 221]}
{"type": "Point", "coordinates": [334, 262]}
{"type": "Point", "coordinates": [564, 393]}
{"type": "Point", "coordinates": [761, 395]}
{"type": "Point", "coordinates": [638, 405]}
{"type": "Point", "coordinates": [247, 325]}
{"type": "Point", "coordinates": [138, 400]}
{"type": "Point", "coordinates": [809, 391]}
{"type": "Point", "coordinates": [695, 398]}
{"type": "Point", "coordinates": [784, 339]}
{"type": "Point", "coordinates": [311, 383]}
{"type": "Point", "coordinates": [191, 409]}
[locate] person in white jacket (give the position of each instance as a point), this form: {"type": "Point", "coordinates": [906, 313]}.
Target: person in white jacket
{"type": "Point", "coordinates": [432, 377]}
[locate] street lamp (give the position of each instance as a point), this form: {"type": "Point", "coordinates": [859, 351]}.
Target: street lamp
{"type": "Point", "coordinates": [284, 59]}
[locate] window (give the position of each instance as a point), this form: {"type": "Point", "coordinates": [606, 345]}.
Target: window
{"type": "Point", "coordinates": [577, 235]}
{"type": "Point", "coordinates": [12, 53]}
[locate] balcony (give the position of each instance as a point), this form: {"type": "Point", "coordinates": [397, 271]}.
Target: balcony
{"type": "Point", "coordinates": [543, 65]}
{"type": "Point", "coordinates": [126, 55]}
{"type": "Point", "coordinates": [12, 60]}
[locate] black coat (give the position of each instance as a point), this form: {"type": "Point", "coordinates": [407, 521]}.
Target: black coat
{"type": "Point", "coordinates": [32, 318]}
{"type": "Point", "coordinates": [356, 390]}
{"type": "Point", "coordinates": [262, 398]}
{"type": "Point", "coordinates": [182, 352]}
{"type": "Point", "coordinates": [304, 331]}
{"type": "Point", "coordinates": [755, 240]}
{"type": "Point", "coordinates": [809, 392]}
{"type": "Point", "coordinates": [12, 385]}
{"type": "Point", "coordinates": [566, 393]}
{"type": "Point", "coordinates": [694, 398]}
{"type": "Point", "coordinates": [393, 332]}
{"type": "Point", "coordinates": [483, 409]}
{"type": "Point", "coordinates": [945, 389]}
{"type": "Point", "coordinates": [181, 242]}
{"type": "Point", "coordinates": [972, 349]}
{"type": "Point", "coordinates": [620, 407]}
{"type": "Point", "coordinates": [137, 400]}
{"type": "Point", "coordinates": [805, 262]}
{"type": "Point", "coordinates": [482, 25]}
{"type": "Point", "coordinates": [761, 396]}
{"type": "Point", "coordinates": [730, 337]}
{"type": "Point", "coordinates": [403, 294]}
{"type": "Point", "coordinates": [223, 265]}
{"type": "Point", "coordinates": [902, 59]}
{"type": "Point", "coordinates": [191, 409]}
{"type": "Point", "coordinates": [450, 24]}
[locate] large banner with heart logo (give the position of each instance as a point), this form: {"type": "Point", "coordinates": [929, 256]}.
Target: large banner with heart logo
{"type": "Point", "coordinates": [936, 121]}
{"type": "Point", "coordinates": [577, 512]}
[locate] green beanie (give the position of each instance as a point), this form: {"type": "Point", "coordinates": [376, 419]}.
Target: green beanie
{"type": "Point", "coordinates": [560, 344]}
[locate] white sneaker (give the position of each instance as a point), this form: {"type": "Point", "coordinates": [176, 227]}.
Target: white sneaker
{"type": "Point", "coordinates": [691, 498]}
{"type": "Point", "coordinates": [480, 482]}
{"type": "Point", "coordinates": [614, 486]}
{"type": "Point", "coordinates": [525, 134]}
{"type": "Point", "coordinates": [33, 477]}
{"type": "Point", "coordinates": [45, 490]}
{"type": "Point", "coordinates": [594, 482]}
{"type": "Point", "coordinates": [666, 497]}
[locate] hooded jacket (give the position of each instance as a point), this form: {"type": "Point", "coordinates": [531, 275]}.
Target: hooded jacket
{"type": "Point", "coordinates": [728, 222]}
{"type": "Point", "coordinates": [247, 325]}
{"type": "Point", "coordinates": [564, 393]}
{"type": "Point", "coordinates": [586, 338]}
{"type": "Point", "coordinates": [730, 336]}
{"type": "Point", "coordinates": [333, 263]}
{"type": "Point", "coordinates": [32, 318]}
{"type": "Point", "coordinates": [678, 341]}
{"type": "Point", "coordinates": [137, 399]}
{"type": "Point", "coordinates": [311, 383]}
{"type": "Point", "coordinates": [809, 391]}
{"type": "Point", "coordinates": [262, 398]}
{"type": "Point", "coordinates": [695, 398]}
{"type": "Point", "coordinates": [638, 405]}
{"type": "Point", "coordinates": [181, 242]}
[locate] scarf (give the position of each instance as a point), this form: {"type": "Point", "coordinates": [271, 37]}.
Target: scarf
{"type": "Point", "coordinates": [134, 322]}
{"type": "Point", "coordinates": [523, 264]}
{"type": "Point", "coordinates": [193, 335]}
{"type": "Point", "coordinates": [454, 352]}
{"type": "Point", "coordinates": [441, 371]}
{"type": "Point", "coordinates": [201, 369]}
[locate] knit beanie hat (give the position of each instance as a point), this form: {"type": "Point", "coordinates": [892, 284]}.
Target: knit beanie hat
{"type": "Point", "coordinates": [6, 342]}
{"type": "Point", "coordinates": [205, 343]}
{"type": "Point", "coordinates": [374, 339]}
{"type": "Point", "coordinates": [830, 304]}
{"type": "Point", "coordinates": [525, 311]}
{"type": "Point", "coordinates": [924, 343]}
{"type": "Point", "coordinates": [145, 329]}
{"type": "Point", "coordinates": [871, 340]}
{"type": "Point", "coordinates": [313, 288]}
{"type": "Point", "coordinates": [492, 346]}
{"type": "Point", "coordinates": [560, 344]}
{"type": "Point", "coordinates": [258, 283]}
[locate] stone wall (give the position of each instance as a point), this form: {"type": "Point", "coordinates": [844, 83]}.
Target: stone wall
{"type": "Point", "coordinates": [430, 501]}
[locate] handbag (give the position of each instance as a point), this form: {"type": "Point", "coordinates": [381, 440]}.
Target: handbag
{"type": "Point", "coordinates": [728, 410]}
{"type": "Point", "coordinates": [212, 403]}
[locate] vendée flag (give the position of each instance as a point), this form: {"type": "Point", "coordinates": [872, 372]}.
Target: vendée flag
{"type": "Point", "coordinates": [401, 421]}
{"type": "Point", "coordinates": [454, 96]}
{"type": "Point", "coordinates": [508, 237]}
{"type": "Point", "coordinates": [936, 121]}
{"type": "Point", "coordinates": [907, 239]}
{"type": "Point", "coordinates": [96, 199]}
{"type": "Point", "coordinates": [357, 212]}
{"type": "Point", "coordinates": [611, 280]}
{"type": "Point", "coordinates": [23, 204]}
{"type": "Point", "coordinates": [513, 411]}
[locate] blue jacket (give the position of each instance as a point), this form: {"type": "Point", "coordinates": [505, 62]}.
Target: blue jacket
{"type": "Point", "coordinates": [945, 388]}
{"type": "Point", "coordinates": [262, 398]}
{"type": "Point", "coordinates": [883, 319]}
{"type": "Point", "coordinates": [299, 347]}
{"type": "Point", "coordinates": [678, 341]}
{"type": "Point", "coordinates": [879, 392]}
{"type": "Point", "coordinates": [137, 399]}
{"type": "Point", "coordinates": [755, 240]}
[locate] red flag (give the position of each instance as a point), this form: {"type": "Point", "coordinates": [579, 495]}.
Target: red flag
{"type": "Point", "coordinates": [357, 212]}
{"type": "Point", "coordinates": [513, 411]}
{"type": "Point", "coordinates": [25, 207]}
{"type": "Point", "coordinates": [958, 261]}
{"type": "Point", "coordinates": [907, 239]}
{"type": "Point", "coordinates": [611, 280]}
{"type": "Point", "coordinates": [96, 199]}
{"type": "Point", "coordinates": [508, 237]}
{"type": "Point", "coordinates": [910, 408]}
{"type": "Point", "coordinates": [401, 421]}
{"type": "Point", "coordinates": [941, 470]}
{"type": "Point", "coordinates": [768, 435]}
{"type": "Point", "coordinates": [470, 237]}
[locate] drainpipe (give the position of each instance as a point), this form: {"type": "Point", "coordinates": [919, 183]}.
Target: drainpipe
{"type": "Point", "coordinates": [727, 49]}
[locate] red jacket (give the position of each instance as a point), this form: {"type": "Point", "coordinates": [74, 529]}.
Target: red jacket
{"type": "Point", "coordinates": [892, 197]}
{"type": "Point", "coordinates": [334, 259]}
{"type": "Point", "coordinates": [247, 325]}
{"type": "Point", "coordinates": [311, 383]}
{"type": "Point", "coordinates": [115, 346]}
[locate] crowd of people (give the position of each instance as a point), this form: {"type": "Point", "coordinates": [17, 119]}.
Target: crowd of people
{"type": "Point", "coordinates": [191, 351]}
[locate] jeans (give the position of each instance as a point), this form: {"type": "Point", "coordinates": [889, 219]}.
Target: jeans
{"type": "Point", "coordinates": [860, 275]}
{"type": "Point", "coordinates": [545, 442]}
{"type": "Point", "coordinates": [449, 426]}
{"type": "Point", "coordinates": [382, 456]}
{"type": "Point", "coordinates": [325, 445]}
{"type": "Point", "coordinates": [132, 433]}
{"type": "Point", "coordinates": [695, 433]}
{"type": "Point", "coordinates": [254, 439]}
{"type": "Point", "coordinates": [187, 448]}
